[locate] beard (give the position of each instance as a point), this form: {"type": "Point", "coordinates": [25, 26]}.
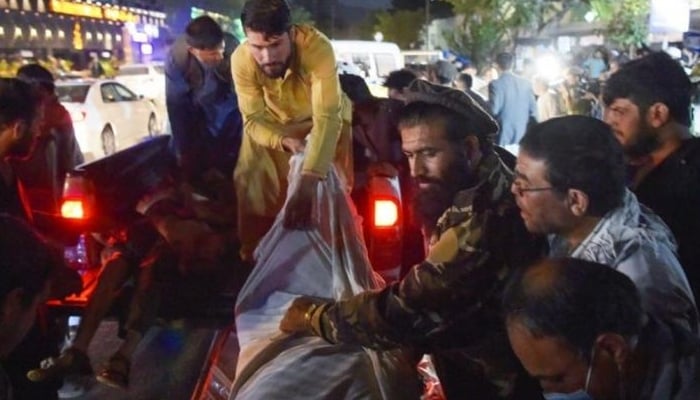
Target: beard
{"type": "Point", "coordinates": [275, 70]}
{"type": "Point", "coordinates": [431, 202]}
{"type": "Point", "coordinates": [643, 142]}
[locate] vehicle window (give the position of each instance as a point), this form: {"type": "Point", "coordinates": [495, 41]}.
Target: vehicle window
{"type": "Point", "coordinates": [72, 93]}
{"type": "Point", "coordinates": [386, 63]}
{"type": "Point", "coordinates": [108, 93]}
{"type": "Point", "coordinates": [125, 71]}
{"type": "Point", "coordinates": [124, 93]}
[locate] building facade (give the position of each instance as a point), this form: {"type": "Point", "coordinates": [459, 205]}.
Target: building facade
{"type": "Point", "coordinates": [75, 31]}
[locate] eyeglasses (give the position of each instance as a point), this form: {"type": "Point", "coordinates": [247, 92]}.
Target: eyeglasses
{"type": "Point", "coordinates": [520, 191]}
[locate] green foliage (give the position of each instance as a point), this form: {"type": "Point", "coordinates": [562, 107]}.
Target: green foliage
{"type": "Point", "coordinates": [301, 16]}
{"type": "Point", "coordinates": [366, 27]}
{"type": "Point", "coordinates": [488, 27]}
{"type": "Point", "coordinates": [401, 27]}
{"type": "Point", "coordinates": [438, 8]}
{"type": "Point", "coordinates": [626, 20]}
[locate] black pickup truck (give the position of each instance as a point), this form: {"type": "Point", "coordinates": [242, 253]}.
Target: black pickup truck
{"type": "Point", "coordinates": [100, 197]}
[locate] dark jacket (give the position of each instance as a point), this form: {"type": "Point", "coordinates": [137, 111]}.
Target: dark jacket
{"type": "Point", "coordinates": [672, 190]}
{"type": "Point", "coordinates": [203, 110]}
{"type": "Point", "coordinates": [56, 152]}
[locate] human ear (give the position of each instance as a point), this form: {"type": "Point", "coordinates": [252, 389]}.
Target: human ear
{"type": "Point", "coordinates": [657, 115]}
{"type": "Point", "coordinates": [472, 146]}
{"type": "Point", "coordinates": [578, 202]}
{"type": "Point", "coordinates": [615, 345]}
{"type": "Point", "coordinates": [12, 305]}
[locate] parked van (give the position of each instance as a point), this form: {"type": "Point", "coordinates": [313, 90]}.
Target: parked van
{"type": "Point", "coordinates": [375, 59]}
{"type": "Point", "coordinates": [422, 57]}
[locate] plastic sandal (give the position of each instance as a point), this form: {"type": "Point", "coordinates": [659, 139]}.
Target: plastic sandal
{"type": "Point", "coordinates": [116, 372]}
{"type": "Point", "coordinates": [71, 362]}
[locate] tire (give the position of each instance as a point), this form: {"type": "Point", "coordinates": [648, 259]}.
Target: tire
{"type": "Point", "coordinates": [153, 126]}
{"type": "Point", "coordinates": [109, 142]}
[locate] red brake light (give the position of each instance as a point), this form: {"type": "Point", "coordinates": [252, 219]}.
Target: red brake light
{"type": "Point", "coordinates": [77, 198]}
{"type": "Point", "coordinates": [386, 213]}
{"type": "Point", "coordinates": [73, 209]}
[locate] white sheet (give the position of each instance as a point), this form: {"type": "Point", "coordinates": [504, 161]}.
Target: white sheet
{"type": "Point", "coordinates": [329, 262]}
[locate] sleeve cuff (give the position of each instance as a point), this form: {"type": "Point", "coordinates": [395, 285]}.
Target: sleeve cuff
{"type": "Point", "coordinates": [316, 322]}
{"type": "Point", "coordinates": [314, 173]}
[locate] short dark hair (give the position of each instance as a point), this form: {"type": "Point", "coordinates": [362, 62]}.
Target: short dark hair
{"type": "Point", "coordinates": [445, 71]}
{"type": "Point", "coordinates": [456, 125]}
{"type": "Point", "coordinates": [466, 79]}
{"type": "Point", "coordinates": [655, 78]}
{"type": "Point", "coordinates": [270, 17]}
{"type": "Point", "coordinates": [504, 61]}
{"type": "Point", "coordinates": [580, 153]}
{"type": "Point", "coordinates": [204, 33]}
{"type": "Point", "coordinates": [574, 300]}
{"type": "Point", "coordinates": [355, 87]}
{"type": "Point", "coordinates": [399, 79]}
{"type": "Point", "coordinates": [35, 74]}
{"type": "Point", "coordinates": [27, 261]}
{"type": "Point", "coordinates": [18, 101]}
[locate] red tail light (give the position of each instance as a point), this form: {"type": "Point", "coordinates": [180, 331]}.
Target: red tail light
{"type": "Point", "coordinates": [73, 209]}
{"type": "Point", "coordinates": [386, 213]}
{"type": "Point", "coordinates": [77, 198]}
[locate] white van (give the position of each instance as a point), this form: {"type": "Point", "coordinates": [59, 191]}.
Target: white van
{"type": "Point", "coordinates": [375, 59]}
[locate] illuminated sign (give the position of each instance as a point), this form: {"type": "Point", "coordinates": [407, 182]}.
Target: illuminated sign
{"type": "Point", "coordinates": [119, 15]}
{"type": "Point", "coordinates": [77, 37]}
{"type": "Point", "coordinates": [92, 11]}
{"type": "Point", "coordinates": [83, 10]}
{"type": "Point", "coordinates": [139, 37]}
{"type": "Point", "coordinates": [146, 49]}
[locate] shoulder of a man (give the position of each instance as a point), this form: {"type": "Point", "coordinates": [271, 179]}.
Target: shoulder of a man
{"type": "Point", "coordinates": [677, 353]}
{"type": "Point", "coordinates": [313, 46]}
{"type": "Point", "coordinates": [241, 59]}
{"type": "Point", "coordinates": [489, 219]}
{"type": "Point", "coordinates": [690, 152]}
{"type": "Point", "coordinates": [178, 56]}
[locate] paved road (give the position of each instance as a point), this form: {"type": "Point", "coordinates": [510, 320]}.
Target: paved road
{"type": "Point", "coordinates": [166, 365]}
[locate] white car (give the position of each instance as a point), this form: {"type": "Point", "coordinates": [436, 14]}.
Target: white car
{"type": "Point", "coordinates": [147, 80]}
{"type": "Point", "coordinates": [106, 115]}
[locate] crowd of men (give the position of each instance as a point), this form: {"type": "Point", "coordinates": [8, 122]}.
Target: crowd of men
{"type": "Point", "coordinates": [569, 272]}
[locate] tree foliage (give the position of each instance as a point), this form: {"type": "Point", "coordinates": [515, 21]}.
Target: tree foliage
{"type": "Point", "coordinates": [300, 15]}
{"type": "Point", "coordinates": [626, 20]}
{"type": "Point", "coordinates": [438, 8]}
{"type": "Point", "coordinates": [400, 26]}
{"type": "Point", "coordinates": [486, 27]}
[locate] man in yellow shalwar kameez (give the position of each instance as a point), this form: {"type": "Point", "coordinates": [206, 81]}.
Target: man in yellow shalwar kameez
{"type": "Point", "coordinates": [290, 98]}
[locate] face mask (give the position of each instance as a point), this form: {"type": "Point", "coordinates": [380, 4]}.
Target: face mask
{"type": "Point", "coordinates": [581, 394]}
{"type": "Point", "coordinates": [577, 395]}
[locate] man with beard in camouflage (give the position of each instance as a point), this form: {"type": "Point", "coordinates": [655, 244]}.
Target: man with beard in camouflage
{"type": "Point", "coordinates": [447, 306]}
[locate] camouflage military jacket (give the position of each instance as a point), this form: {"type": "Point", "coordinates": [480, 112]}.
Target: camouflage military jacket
{"type": "Point", "coordinates": [450, 301]}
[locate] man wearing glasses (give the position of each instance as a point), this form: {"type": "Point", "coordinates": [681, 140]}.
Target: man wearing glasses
{"type": "Point", "coordinates": [570, 184]}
